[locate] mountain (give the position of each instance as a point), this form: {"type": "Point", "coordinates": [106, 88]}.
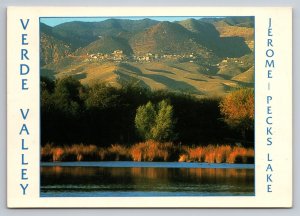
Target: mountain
{"type": "Point", "coordinates": [167, 38]}
{"type": "Point", "coordinates": [207, 33]}
{"type": "Point", "coordinates": [107, 45]}
{"type": "Point", "coordinates": [80, 34]}
{"type": "Point", "coordinates": [208, 56]}
{"type": "Point", "coordinates": [242, 27]}
{"type": "Point", "coordinates": [247, 22]}
{"type": "Point", "coordinates": [233, 21]}
{"type": "Point", "coordinates": [204, 30]}
{"type": "Point", "coordinates": [52, 49]}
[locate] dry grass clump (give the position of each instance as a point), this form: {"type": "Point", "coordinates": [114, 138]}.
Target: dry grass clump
{"type": "Point", "coordinates": [51, 153]}
{"type": "Point", "coordinates": [149, 150]}
{"type": "Point", "coordinates": [80, 152]}
{"type": "Point", "coordinates": [241, 155]}
{"type": "Point", "coordinates": [58, 154]}
{"type": "Point", "coordinates": [117, 152]}
{"type": "Point", "coordinates": [217, 154]}
{"type": "Point", "coordinates": [103, 154]}
{"type": "Point", "coordinates": [153, 151]}
{"type": "Point", "coordinates": [46, 152]}
{"type": "Point", "coordinates": [76, 152]}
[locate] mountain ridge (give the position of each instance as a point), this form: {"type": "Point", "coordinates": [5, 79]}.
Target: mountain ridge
{"type": "Point", "coordinates": [203, 55]}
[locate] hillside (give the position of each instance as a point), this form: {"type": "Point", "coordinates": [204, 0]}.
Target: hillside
{"type": "Point", "coordinates": [166, 38]}
{"type": "Point", "coordinates": [106, 45]}
{"type": "Point", "coordinates": [204, 57]}
{"type": "Point", "coordinates": [244, 30]}
{"type": "Point", "coordinates": [52, 49]}
{"type": "Point", "coordinates": [80, 34]}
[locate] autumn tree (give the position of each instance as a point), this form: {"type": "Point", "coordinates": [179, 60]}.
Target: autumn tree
{"type": "Point", "coordinates": [238, 110]}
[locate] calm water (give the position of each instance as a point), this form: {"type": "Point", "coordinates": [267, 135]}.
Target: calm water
{"type": "Point", "coordinates": [92, 179]}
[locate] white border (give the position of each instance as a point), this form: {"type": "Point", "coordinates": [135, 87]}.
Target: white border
{"type": "Point", "coordinates": [282, 188]}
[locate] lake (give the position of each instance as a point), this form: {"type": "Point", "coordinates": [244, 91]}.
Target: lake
{"type": "Point", "coordinates": [130, 179]}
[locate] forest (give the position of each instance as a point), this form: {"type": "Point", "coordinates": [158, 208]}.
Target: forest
{"type": "Point", "coordinates": [102, 118]}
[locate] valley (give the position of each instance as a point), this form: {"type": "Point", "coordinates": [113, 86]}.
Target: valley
{"type": "Point", "coordinates": [202, 57]}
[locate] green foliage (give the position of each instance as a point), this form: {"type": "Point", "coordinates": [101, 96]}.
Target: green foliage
{"type": "Point", "coordinates": [145, 120]}
{"type": "Point", "coordinates": [164, 122]}
{"type": "Point", "coordinates": [102, 96]}
{"type": "Point", "coordinates": [155, 122]}
{"type": "Point", "coordinates": [47, 88]}
{"type": "Point", "coordinates": [66, 95]}
{"type": "Point", "coordinates": [105, 115]}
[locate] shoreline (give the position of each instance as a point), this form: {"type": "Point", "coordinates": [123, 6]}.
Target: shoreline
{"type": "Point", "coordinates": [132, 164]}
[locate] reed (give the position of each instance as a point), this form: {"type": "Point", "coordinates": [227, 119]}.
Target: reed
{"type": "Point", "coordinates": [196, 154]}
{"type": "Point", "coordinates": [80, 152]}
{"type": "Point", "coordinates": [117, 152]}
{"type": "Point", "coordinates": [58, 154]}
{"type": "Point", "coordinates": [47, 152]}
{"type": "Point", "coordinates": [241, 155]}
{"type": "Point", "coordinates": [217, 154]}
{"type": "Point", "coordinates": [154, 151]}
{"type": "Point", "coordinates": [149, 150]}
{"type": "Point", "coordinates": [76, 152]}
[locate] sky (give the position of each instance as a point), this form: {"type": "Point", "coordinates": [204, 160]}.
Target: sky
{"type": "Point", "coordinates": [53, 21]}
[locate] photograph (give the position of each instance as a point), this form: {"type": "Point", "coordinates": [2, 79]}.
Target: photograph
{"type": "Point", "coordinates": [154, 106]}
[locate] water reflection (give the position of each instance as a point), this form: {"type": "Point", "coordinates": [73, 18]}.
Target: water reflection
{"type": "Point", "coordinates": [94, 181]}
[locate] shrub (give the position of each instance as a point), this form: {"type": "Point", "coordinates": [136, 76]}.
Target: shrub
{"type": "Point", "coordinates": [149, 151]}
{"type": "Point", "coordinates": [118, 152]}
{"type": "Point", "coordinates": [47, 152]}
{"type": "Point", "coordinates": [58, 154]}
{"type": "Point", "coordinates": [196, 154]}
{"type": "Point", "coordinates": [154, 151]}
{"type": "Point", "coordinates": [217, 154]}
{"type": "Point", "coordinates": [241, 155]}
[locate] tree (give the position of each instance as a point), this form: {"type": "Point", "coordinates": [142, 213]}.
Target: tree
{"type": "Point", "coordinates": [145, 120]}
{"type": "Point", "coordinates": [61, 110]}
{"type": "Point", "coordinates": [66, 96]}
{"type": "Point", "coordinates": [102, 96]}
{"type": "Point", "coordinates": [164, 123]}
{"type": "Point", "coordinates": [238, 110]}
{"type": "Point", "coordinates": [155, 122]}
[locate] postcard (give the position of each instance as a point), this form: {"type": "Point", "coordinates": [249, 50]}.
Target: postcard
{"type": "Point", "coordinates": [144, 107]}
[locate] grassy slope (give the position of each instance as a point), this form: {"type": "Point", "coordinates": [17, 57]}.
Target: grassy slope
{"type": "Point", "coordinates": [231, 31]}
{"type": "Point", "coordinates": [247, 76]}
{"type": "Point", "coordinates": [186, 77]}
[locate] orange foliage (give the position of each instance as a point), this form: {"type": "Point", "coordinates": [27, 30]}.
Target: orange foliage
{"type": "Point", "coordinates": [241, 155]}
{"type": "Point", "coordinates": [196, 154]}
{"type": "Point", "coordinates": [152, 151]}
{"type": "Point", "coordinates": [238, 108]}
{"type": "Point", "coordinates": [57, 154]}
{"type": "Point", "coordinates": [218, 154]}
{"type": "Point", "coordinates": [118, 152]}
{"type": "Point", "coordinates": [149, 151]}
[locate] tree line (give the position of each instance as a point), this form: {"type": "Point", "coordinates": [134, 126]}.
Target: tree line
{"type": "Point", "coordinates": [103, 115]}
